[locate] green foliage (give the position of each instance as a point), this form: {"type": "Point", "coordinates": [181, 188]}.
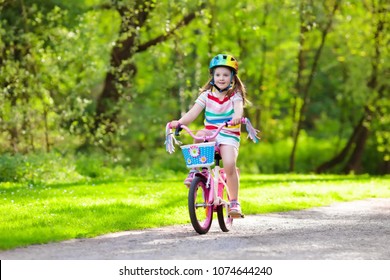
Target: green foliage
{"type": "Point", "coordinates": [10, 170]}
{"type": "Point", "coordinates": [50, 72]}
{"type": "Point", "coordinates": [268, 158]}
{"type": "Point", "coordinates": [44, 168]}
{"type": "Point", "coordinates": [98, 166]}
{"type": "Point", "coordinates": [36, 169]}
{"type": "Point", "coordinates": [55, 57]}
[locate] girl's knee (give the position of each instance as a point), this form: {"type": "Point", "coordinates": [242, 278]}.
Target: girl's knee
{"type": "Point", "coordinates": [229, 169]}
{"type": "Point", "coordinates": [201, 133]}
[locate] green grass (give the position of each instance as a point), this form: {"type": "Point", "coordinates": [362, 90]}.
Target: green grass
{"type": "Point", "coordinates": [264, 194]}
{"type": "Point", "coordinates": [42, 213]}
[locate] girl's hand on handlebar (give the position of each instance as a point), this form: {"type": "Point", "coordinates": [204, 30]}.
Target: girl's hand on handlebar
{"type": "Point", "coordinates": [236, 121]}
{"type": "Point", "coordinates": [174, 124]}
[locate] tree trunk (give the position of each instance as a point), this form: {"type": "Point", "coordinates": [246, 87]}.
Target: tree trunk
{"type": "Point", "coordinates": [344, 152]}
{"type": "Point", "coordinates": [297, 90]}
{"type": "Point", "coordinates": [180, 79]}
{"type": "Point", "coordinates": [385, 167]}
{"type": "Point", "coordinates": [47, 139]}
{"type": "Point", "coordinates": [106, 106]}
{"type": "Point", "coordinates": [306, 88]}
{"type": "Point", "coordinates": [301, 66]}
{"type": "Point", "coordinates": [354, 162]}
{"type": "Point", "coordinates": [257, 120]}
{"type": "Point", "coordinates": [211, 26]}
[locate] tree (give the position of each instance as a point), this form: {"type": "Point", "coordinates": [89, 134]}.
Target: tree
{"type": "Point", "coordinates": [374, 107]}
{"type": "Point", "coordinates": [303, 89]}
{"type": "Point", "coordinates": [133, 16]}
{"type": "Point", "coordinates": [109, 74]}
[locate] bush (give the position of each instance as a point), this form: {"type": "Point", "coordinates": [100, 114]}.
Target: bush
{"type": "Point", "coordinates": [264, 157]}
{"type": "Point", "coordinates": [36, 168]}
{"type": "Point", "coordinates": [271, 158]}
{"type": "Point", "coordinates": [10, 168]}
{"type": "Point", "coordinates": [99, 166]}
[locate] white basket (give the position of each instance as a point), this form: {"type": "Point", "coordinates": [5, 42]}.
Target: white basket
{"type": "Point", "coordinates": [199, 154]}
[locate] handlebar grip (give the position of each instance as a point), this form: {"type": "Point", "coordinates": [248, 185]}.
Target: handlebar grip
{"type": "Point", "coordinates": [243, 121]}
{"type": "Point", "coordinates": [178, 129]}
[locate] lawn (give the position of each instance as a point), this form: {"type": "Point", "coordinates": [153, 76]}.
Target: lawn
{"type": "Point", "coordinates": [42, 213]}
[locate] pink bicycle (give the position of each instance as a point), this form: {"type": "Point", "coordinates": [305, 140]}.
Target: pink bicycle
{"type": "Point", "coordinates": [208, 192]}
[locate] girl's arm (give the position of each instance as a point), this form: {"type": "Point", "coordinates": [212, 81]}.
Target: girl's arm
{"type": "Point", "coordinates": [188, 117]}
{"type": "Point", "coordinates": [238, 112]}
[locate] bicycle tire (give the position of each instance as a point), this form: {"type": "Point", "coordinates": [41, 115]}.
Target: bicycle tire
{"type": "Point", "coordinates": [201, 214]}
{"type": "Point", "coordinates": [225, 222]}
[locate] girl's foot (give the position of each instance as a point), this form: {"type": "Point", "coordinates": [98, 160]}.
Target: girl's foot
{"type": "Point", "coordinates": [189, 178]}
{"type": "Point", "coordinates": [235, 209]}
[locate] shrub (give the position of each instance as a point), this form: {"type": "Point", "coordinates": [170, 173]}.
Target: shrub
{"type": "Point", "coordinates": [35, 168]}
{"type": "Point", "coordinates": [271, 158]}
{"type": "Point", "coordinates": [10, 168]}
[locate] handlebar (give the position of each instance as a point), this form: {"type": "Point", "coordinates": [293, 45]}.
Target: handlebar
{"type": "Point", "coordinates": [180, 127]}
{"type": "Point", "coordinates": [204, 138]}
{"type": "Point", "coordinates": [170, 140]}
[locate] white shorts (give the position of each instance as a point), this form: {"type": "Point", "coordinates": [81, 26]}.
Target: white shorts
{"type": "Point", "coordinates": [224, 140]}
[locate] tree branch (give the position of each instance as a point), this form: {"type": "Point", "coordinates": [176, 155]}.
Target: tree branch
{"type": "Point", "coordinates": [163, 37]}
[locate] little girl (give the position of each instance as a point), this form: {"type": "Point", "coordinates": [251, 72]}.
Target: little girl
{"type": "Point", "coordinates": [222, 98]}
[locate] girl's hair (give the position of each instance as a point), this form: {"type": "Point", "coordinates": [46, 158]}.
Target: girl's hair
{"type": "Point", "coordinates": [237, 87]}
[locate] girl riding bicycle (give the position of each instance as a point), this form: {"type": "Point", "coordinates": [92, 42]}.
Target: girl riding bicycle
{"type": "Point", "coordinates": [222, 98]}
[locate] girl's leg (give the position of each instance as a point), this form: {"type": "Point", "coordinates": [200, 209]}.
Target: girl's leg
{"type": "Point", "coordinates": [203, 133]}
{"type": "Point", "coordinates": [229, 157]}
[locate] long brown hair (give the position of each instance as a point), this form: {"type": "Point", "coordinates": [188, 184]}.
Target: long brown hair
{"type": "Point", "coordinates": [237, 87]}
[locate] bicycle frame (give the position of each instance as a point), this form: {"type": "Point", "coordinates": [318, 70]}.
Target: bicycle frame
{"type": "Point", "coordinates": [216, 200]}
{"type": "Point", "coordinates": [214, 179]}
{"type": "Point", "coordinates": [217, 189]}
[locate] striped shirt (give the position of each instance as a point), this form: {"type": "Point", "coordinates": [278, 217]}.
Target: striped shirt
{"type": "Point", "coordinates": [218, 112]}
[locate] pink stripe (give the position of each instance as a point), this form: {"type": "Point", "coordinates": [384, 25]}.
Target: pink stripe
{"type": "Point", "coordinates": [209, 96]}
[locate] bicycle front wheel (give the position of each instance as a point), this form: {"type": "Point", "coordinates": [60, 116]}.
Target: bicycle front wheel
{"type": "Point", "coordinates": [224, 220]}
{"type": "Point", "coordinates": [201, 212]}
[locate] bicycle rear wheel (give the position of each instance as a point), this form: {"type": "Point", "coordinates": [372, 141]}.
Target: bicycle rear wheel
{"type": "Point", "coordinates": [201, 212]}
{"type": "Point", "coordinates": [225, 222]}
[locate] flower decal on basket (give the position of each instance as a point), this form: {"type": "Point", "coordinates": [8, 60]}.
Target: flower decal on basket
{"type": "Point", "coordinates": [203, 159]}
{"type": "Point", "coordinates": [189, 161]}
{"type": "Point", "coordinates": [194, 151]}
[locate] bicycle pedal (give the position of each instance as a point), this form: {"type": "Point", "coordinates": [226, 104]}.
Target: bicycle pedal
{"type": "Point", "coordinates": [237, 216]}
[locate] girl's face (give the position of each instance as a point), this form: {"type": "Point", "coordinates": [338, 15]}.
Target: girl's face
{"type": "Point", "coordinates": [222, 77]}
